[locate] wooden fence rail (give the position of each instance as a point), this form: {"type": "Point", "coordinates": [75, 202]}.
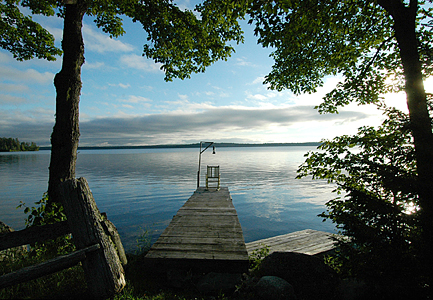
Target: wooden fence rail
{"type": "Point", "coordinates": [48, 267]}
{"type": "Point", "coordinates": [96, 238]}
{"type": "Point", "coordinates": [33, 235]}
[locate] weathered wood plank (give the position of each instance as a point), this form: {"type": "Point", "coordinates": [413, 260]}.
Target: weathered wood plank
{"type": "Point", "coordinates": [211, 220]}
{"type": "Point", "coordinates": [299, 241]}
{"type": "Point", "coordinates": [293, 237]}
{"type": "Point", "coordinates": [202, 230]}
{"type": "Point", "coordinates": [198, 207]}
{"type": "Point", "coordinates": [205, 213]}
{"type": "Point", "coordinates": [307, 241]}
{"type": "Point", "coordinates": [206, 228]}
{"type": "Point", "coordinates": [196, 255]}
{"type": "Point", "coordinates": [199, 247]}
{"type": "Point", "coordinates": [200, 239]}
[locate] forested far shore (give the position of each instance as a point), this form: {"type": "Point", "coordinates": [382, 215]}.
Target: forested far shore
{"type": "Point", "coordinates": [11, 144]}
{"type": "Point", "coordinates": [196, 145]}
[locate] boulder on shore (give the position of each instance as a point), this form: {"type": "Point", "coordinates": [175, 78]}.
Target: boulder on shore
{"type": "Point", "coordinates": [276, 288]}
{"type": "Point", "coordinates": [309, 276]}
{"type": "Point", "coordinates": [216, 282]}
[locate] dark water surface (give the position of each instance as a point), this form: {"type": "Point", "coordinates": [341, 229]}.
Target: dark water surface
{"type": "Point", "coordinates": [141, 190]}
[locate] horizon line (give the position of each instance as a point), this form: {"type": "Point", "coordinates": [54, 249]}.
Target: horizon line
{"type": "Point", "coordinates": [217, 144]}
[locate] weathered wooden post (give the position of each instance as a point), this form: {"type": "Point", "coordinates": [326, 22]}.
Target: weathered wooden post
{"type": "Point", "coordinates": [104, 272]}
{"type": "Point", "coordinates": [111, 230]}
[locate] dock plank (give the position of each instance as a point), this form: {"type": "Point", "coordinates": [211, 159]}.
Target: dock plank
{"type": "Point", "coordinates": [306, 241]}
{"type": "Point", "coordinates": [205, 232]}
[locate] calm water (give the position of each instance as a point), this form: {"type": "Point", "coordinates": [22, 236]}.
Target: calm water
{"type": "Point", "coordinates": [143, 189]}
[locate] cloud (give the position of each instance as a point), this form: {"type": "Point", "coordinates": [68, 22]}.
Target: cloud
{"type": "Point", "coordinates": [258, 80]}
{"type": "Point", "coordinates": [185, 5]}
{"type": "Point", "coordinates": [9, 99]}
{"type": "Point", "coordinates": [12, 88]}
{"type": "Point", "coordinates": [101, 42]}
{"type": "Point", "coordinates": [243, 62]}
{"type": "Point", "coordinates": [122, 85]}
{"type": "Point", "coordinates": [199, 121]}
{"type": "Point", "coordinates": [6, 58]}
{"type": "Point", "coordinates": [136, 99]}
{"type": "Point", "coordinates": [96, 65]}
{"type": "Point", "coordinates": [56, 32]}
{"type": "Point", "coordinates": [140, 63]}
{"type": "Point", "coordinates": [34, 125]}
{"type": "Point", "coordinates": [259, 97]}
{"type": "Point", "coordinates": [222, 120]}
{"type": "Point", "coordinates": [266, 96]}
{"type": "Point", "coordinates": [183, 97]}
{"type": "Point", "coordinates": [224, 95]}
{"type": "Point", "coordinates": [28, 75]}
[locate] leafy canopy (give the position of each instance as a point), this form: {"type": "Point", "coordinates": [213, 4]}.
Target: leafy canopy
{"type": "Point", "coordinates": [378, 207]}
{"type": "Point", "coordinates": [179, 40]}
{"type": "Point", "coordinates": [22, 36]}
{"type": "Point", "coordinates": [353, 39]}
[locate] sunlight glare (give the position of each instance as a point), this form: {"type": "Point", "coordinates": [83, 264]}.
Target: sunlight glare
{"type": "Point", "coordinates": [411, 208]}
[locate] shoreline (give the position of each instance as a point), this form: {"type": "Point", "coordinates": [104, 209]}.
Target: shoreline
{"type": "Point", "coordinates": [189, 146]}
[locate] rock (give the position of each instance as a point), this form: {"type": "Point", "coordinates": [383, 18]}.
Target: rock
{"type": "Point", "coordinates": [352, 289]}
{"type": "Point", "coordinates": [309, 276]}
{"type": "Point", "coordinates": [179, 278]}
{"type": "Point", "coordinates": [275, 288]}
{"type": "Point", "coordinates": [216, 282]}
{"type": "Point", "coordinates": [12, 253]}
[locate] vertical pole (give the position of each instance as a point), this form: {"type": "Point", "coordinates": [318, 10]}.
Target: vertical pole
{"type": "Point", "coordinates": [199, 163]}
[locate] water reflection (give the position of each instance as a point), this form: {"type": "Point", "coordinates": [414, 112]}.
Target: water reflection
{"type": "Point", "coordinates": [143, 189]}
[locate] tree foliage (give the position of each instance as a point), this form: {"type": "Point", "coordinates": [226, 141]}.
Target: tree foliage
{"type": "Point", "coordinates": [376, 47]}
{"type": "Point", "coordinates": [176, 38]}
{"type": "Point", "coordinates": [181, 41]}
{"type": "Point", "coordinates": [353, 39]}
{"type": "Point", "coordinates": [378, 207]}
{"type": "Point", "coordinates": [43, 214]}
{"type": "Point", "coordinates": [10, 144]}
{"type": "Point", "coordinates": [22, 36]}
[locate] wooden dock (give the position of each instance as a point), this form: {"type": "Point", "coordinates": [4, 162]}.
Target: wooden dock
{"type": "Point", "coordinates": [205, 235]}
{"type": "Point", "coordinates": [306, 241]}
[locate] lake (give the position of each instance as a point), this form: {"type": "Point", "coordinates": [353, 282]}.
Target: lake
{"type": "Point", "coordinates": [142, 189]}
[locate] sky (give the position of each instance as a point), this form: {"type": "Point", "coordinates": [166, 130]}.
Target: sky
{"type": "Point", "coordinates": [125, 100]}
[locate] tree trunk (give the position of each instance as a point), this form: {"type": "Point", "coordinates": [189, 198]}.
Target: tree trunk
{"type": "Point", "coordinates": [103, 269]}
{"type": "Point", "coordinates": [64, 139]}
{"type": "Point", "coordinates": [420, 122]}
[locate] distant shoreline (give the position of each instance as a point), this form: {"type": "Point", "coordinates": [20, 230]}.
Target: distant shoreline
{"type": "Point", "coordinates": [196, 145]}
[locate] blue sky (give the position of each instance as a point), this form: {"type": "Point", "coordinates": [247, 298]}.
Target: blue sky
{"type": "Point", "coordinates": [125, 100]}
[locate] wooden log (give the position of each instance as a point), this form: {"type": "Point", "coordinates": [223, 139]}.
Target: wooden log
{"type": "Point", "coordinates": [33, 234]}
{"type": "Point", "coordinates": [104, 272]}
{"type": "Point", "coordinates": [111, 230]}
{"type": "Point", "coordinates": [48, 267]}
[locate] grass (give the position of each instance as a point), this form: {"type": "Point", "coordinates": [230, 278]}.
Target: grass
{"type": "Point", "coordinates": [61, 284]}
{"type": "Point", "coordinates": [71, 284]}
